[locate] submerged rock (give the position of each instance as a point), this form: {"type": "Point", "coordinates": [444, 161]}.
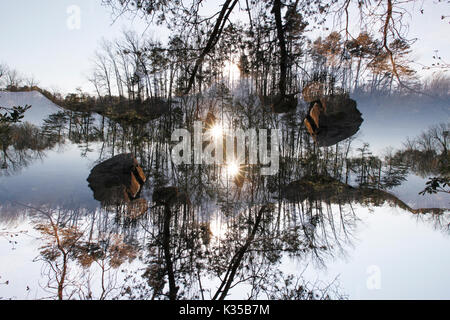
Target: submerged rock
{"type": "Point", "coordinates": [117, 180]}
{"type": "Point", "coordinates": [329, 190]}
{"type": "Point", "coordinates": [284, 104]}
{"type": "Point", "coordinates": [332, 119]}
{"type": "Point", "coordinates": [169, 196]}
{"type": "Point", "coordinates": [313, 189]}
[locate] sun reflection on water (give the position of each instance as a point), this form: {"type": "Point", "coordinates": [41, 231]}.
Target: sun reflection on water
{"type": "Point", "coordinates": [216, 131]}
{"type": "Point", "coordinates": [218, 226]}
{"type": "Point", "coordinates": [233, 169]}
{"type": "Point", "coordinates": [231, 70]}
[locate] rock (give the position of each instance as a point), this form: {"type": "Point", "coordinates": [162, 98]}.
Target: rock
{"type": "Point", "coordinates": [117, 180]}
{"type": "Point", "coordinates": [313, 91]}
{"type": "Point", "coordinates": [315, 189]}
{"type": "Point", "coordinates": [169, 196]}
{"type": "Point", "coordinates": [332, 119]}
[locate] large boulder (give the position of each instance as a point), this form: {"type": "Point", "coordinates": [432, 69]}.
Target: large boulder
{"type": "Point", "coordinates": [313, 91]}
{"type": "Point", "coordinates": [332, 119]}
{"type": "Point", "coordinates": [117, 180]}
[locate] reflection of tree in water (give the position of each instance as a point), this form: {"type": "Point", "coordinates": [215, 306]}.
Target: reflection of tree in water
{"type": "Point", "coordinates": [184, 256]}
{"type": "Point", "coordinates": [427, 154]}
{"type": "Point", "coordinates": [79, 263]}
{"type": "Point", "coordinates": [262, 220]}
{"type": "Point", "coordinates": [181, 253]}
{"type": "Point", "coordinates": [21, 145]}
{"type": "Point", "coordinates": [438, 219]}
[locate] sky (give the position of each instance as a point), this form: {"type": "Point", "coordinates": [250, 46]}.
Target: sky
{"type": "Point", "coordinates": [42, 38]}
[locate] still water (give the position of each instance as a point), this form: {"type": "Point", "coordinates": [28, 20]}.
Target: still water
{"type": "Point", "coordinates": [225, 239]}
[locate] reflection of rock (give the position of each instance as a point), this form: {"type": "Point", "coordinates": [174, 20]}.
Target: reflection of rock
{"type": "Point", "coordinates": [117, 180]}
{"type": "Point", "coordinates": [333, 191]}
{"type": "Point", "coordinates": [169, 196]}
{"type": "Point", "coordinates": [136, 208]}
{"type": "Point", "coordinates": [332, 119]}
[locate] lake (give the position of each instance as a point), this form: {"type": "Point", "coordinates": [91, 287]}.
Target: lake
{"type": "Point", "coordinates": [224, 237]}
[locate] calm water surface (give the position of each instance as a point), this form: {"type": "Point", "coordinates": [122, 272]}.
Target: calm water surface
{"type": "Point", "coordinates": [357, 249]}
